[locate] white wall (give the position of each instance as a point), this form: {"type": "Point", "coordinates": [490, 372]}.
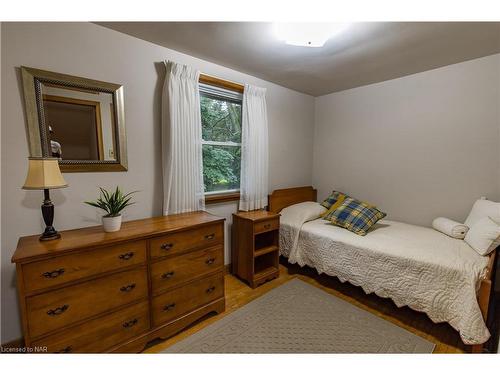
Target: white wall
{"type": "Point", "coordinates": [91, 51]}
{"type": "Point", "coordinates": [418, 147]}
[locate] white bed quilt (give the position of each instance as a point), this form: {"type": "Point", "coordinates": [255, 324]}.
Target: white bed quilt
{"type": "Point", "coordinates": [414, 266]}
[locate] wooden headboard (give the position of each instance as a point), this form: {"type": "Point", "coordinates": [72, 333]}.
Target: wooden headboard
{"type": "Point", "coordinates": [282, 198]}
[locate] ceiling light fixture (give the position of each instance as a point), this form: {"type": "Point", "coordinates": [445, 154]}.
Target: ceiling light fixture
{"type": "Point", "coordinates": [307, 34]}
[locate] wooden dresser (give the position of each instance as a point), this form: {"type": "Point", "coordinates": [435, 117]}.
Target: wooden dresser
{"type": "Point", "coordinates": [92, 291]}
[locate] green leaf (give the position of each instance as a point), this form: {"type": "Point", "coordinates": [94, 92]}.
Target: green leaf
{"type": "Point", "coordinates": [112, 202]}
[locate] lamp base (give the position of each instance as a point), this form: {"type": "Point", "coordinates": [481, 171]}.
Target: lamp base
{"type": "Point", "coordinates": [49, 234]}
{"type": "Point", "coordinates": [43, 237]}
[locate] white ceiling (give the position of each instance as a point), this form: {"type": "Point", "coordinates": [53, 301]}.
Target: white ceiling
{"type": "Point", "coordinates": [365, 53]}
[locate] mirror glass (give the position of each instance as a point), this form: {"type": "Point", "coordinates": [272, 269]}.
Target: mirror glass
{"type": "Point", "coordinates": [79, 123]}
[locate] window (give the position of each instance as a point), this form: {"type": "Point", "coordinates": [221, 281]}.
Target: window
{"type": "Point", "coordinates": [221, 140]}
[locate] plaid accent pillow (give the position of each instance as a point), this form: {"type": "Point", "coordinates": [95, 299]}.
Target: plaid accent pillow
{"type": "Point", "coordinates": [356, 216]}
{"type": "Point", "coordinates": [328, 214]}
{"type": "Point", "coordinates": [332, 199]}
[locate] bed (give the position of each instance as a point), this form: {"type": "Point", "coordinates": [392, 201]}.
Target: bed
{"type": "Point", "coordinates": [414, 266]}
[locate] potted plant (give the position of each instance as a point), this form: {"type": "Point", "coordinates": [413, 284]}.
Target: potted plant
{"type": "Point", "coordinates": [113, 204]}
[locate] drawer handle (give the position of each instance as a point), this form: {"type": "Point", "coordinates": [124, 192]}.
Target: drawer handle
{"type": "Point", "coordinates": [210, 236]}
{"type": "Point", "coordinates": [53, 274]}
{"type": "Point", "coordinates": [267, 226]}
{"type": "Point", "coordinates": [67, 349]}
{"type": "Point", "coordinates": [126, 256]}
{"type": "Point", "coordinates": [210, 261]}
{"type": "Point", "coordinates": [130, 323]}
{"type": "Point", "coordinates": [58, 310]}
{"type": "Point", "coordinates": [167, 246]}
{"type": "Point", "coordinates": [169, 307]}
{"type": "Point", "coordinates": [210, 290]}
{"type": "Point", "coordinates": [168, 275]}
{"type": "Point", "coordinates": [127, 288]}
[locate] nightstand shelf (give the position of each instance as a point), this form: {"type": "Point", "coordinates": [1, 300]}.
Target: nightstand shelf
{"type": "Point", "coordinates": [265, 250]}
{"type": "Point", "coordinates": [255, 246]}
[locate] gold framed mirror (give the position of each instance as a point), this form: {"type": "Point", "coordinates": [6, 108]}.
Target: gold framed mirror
{"type": "Point", "coordinates": [78, 120]}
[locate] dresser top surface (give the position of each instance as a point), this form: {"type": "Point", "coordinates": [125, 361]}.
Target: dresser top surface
{"type": "Point", "coordinates": [31, 247]}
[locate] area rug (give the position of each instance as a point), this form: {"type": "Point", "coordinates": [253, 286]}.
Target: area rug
{"type": "Point", "coordinates": [297, 317]}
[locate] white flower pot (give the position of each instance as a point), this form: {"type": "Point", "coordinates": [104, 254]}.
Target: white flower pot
{"type": "Point", "coordinates": [112, 223]}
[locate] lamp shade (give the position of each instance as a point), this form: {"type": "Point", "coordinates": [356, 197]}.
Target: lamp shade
{"type": "Point", "coordinates": [44, 173]}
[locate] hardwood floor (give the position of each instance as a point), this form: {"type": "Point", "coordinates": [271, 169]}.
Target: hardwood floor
{"type": "Point", "coordinates": [238, 293]}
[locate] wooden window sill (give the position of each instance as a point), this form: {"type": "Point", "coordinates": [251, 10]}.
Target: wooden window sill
{"type": "Point", "coordinates": [219, 198]}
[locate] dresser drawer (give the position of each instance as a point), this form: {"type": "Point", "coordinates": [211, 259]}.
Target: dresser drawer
{"type": "Point", "coordinates": [173, 271]}
{"type": "Point", "coordinates": [100, 334]}
{"type": "Point", "coordinates": [53, 310]}
{"type": "Point", "coordinates": [266, 225]}
{"type": "Point", "coordinates": [58, 270]}
{"type": "Point", "coordinates": [179, 301]}
{"type": "Point", "coordinates": [181, 241]}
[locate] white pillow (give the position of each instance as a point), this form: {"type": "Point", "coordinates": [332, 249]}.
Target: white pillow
{"type": "Point", "coordinates": [484, 236]}
{"type": "Point", "coordinates": [483, 208]}
{"type": "Point", "coordinates": [302, 212]}
{"type": "Point", "coordinates": [450, 227]}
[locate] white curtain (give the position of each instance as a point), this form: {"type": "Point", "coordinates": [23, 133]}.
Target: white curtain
{"type": "Point", "coordinates": [254, 150]}
{"type": "Point", "coordinates": [181, 140]}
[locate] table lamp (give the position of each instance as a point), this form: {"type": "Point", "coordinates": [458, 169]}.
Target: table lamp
{"type": "Point", "coordinates": [44, 174]}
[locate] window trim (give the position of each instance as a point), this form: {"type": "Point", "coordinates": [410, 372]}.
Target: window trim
{"type": "Point", "coordinates": [220, 198]}
{"type": "Point", "coordinates": [232, 194]}
{"type": "Point", "coordinates": [219, 82]}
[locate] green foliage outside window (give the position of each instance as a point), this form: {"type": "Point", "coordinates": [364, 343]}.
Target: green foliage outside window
{"type": "Point", "coordinates": [221, 122]}
{"type": "Point", "coordinates": [221, 167]}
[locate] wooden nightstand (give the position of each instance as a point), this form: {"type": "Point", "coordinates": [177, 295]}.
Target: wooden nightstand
{"type": "Point", "coordinates": [255, 246]}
